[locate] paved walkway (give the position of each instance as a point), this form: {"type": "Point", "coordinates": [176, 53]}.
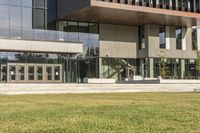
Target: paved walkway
{"type": "Point", "coordinates": [12, 89]}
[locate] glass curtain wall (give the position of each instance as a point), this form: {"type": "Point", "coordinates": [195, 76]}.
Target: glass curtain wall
{"type": "Point", "coordinates": [69, 62]}
{"type": "Point", "coordinates": [178, 38]}
{"type": "Point", "coordinates": [119, 68]}
{"type": "Point", "coordinates": [88, 33]}
{"type": "Point", "coordinates": [142, 37]}
{"type": "Point", "coordinates": [194, 39]}
{"type": "Point", "coordinates": [162, 37]}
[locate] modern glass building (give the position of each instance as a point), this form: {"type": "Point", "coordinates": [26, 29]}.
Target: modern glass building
{"type": "Point", "coordinates": [66, 41]}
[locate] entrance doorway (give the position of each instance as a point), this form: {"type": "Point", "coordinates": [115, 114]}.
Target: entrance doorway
{"type": "Point", "coordinates": [34, 73]}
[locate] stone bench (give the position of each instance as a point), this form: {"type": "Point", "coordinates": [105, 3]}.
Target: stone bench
{"type": "Point", "coordinates": [100, 81]}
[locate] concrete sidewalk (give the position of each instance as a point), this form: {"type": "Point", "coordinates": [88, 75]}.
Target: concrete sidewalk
{"type": "Point", "coordinates": [14, 89]}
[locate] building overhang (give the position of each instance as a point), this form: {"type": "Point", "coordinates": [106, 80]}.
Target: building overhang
{"type": "Point", "coordinates": [116, 13]}
{"type": "Point", "coordinates": [40, 46]}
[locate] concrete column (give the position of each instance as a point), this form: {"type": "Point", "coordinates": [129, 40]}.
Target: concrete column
{"type": "Point", "coordinates": [194, 5]}
{"type": "Point", "coordinates": [167, 37]}
{"type": "Point", "coordinates": [182, 68]}
{"type": "Point", "coordinates": [151, 67]}
{"type": "Point", "coordinates": [157, 3]}
{"type": "Point", "coordinates": [100, 68]}
{"type": "Point", "coordinates": [184, 38]}
{"type": "Point", "coordinates": [170, 4]}
{"type": "Point", "coordinates": [198, 39]}
{"type": "Point", "coordinates": [177, 4]}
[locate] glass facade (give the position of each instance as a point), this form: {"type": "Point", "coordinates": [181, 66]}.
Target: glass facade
{"type": "Point", "coordinates": [74, 68]}
{"type": "Point", "coordinates": [119, 68]}
{"type": "Point", "coordinates": [194, 39]}
{"type": "Point", "coordinates": [142, 41]}
{"type": "Point", "coordinates": [162, 37]}
{"type": "Point", "coordinates": [37, 20]}
{"type": "Point", "coordinates": [178, 38]}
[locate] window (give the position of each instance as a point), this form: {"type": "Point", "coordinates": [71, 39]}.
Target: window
{"type": "Point", "coordinates": [83, 27]}
{"type": "Point", "coordinates": [4, 17]}
{"type": "Point", "coordinates": [27, 3]}
{"type": "Point", "coordinates": [93, 28]}
{"type": "Point", "coordinates": [39, 19]}
{"type": "Point", "coordinates": [71, 27]}
{"type": "Point", "coordinates": [49, 72]}
{"type": "Point", "coordinates": [30, 72]}
{"type": "Point", "coordinates": [179, 5]}
{"type": "Point", "coordinates": [15, 22]}
{"type": "Point", "coordinates": [162, 36]}
{"type": "Point", "coordinates": [178, 38]}
{"type": "Point", "coordinates": [57, 73]}
{"type": "Point", "coordinates": [141, 37]}
{"type": "Point", "coordinates": [161, 3]}
{"type": "Point", "coordinates": [39, 3]}
{"type": "Point", "coordinates": [3, 1]}
{"type": "Point", "coordinates": [173, 4]}
{"type": "Point", "coordinates": [194, 39]}
{"type": "Point", "coordinates": [39, 73]}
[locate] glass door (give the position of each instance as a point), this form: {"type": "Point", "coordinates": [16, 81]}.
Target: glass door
{"type": "Point", "coordinates": [21, 72]}
{"type": "Point", "coordinates": [39, 73]}
{"type": "Point", "coordinates": [3, 73]}
{"type": "Point", "coordinates": [49, 73]}
{"type": "Point", "coordinates": [12, 73]}
{"type": "Point", "coordinates": [31, 73]}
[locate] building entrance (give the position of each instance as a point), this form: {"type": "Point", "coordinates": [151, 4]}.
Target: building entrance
{"type": "Point", "coordinates": [33, 73]}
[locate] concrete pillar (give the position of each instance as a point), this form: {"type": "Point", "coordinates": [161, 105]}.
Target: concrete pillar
{"type": "Point", "coordinates": [184, 38]}
{"type": "Point", "coordinates": [157, 3]}
{"type": "Point", "coordinates": [100, 68]}
{"type": "Point", "coordinates": [198, 39]}
{"type": "Point", "coordinates": [177, 4]}
{"type": "Point", "coordinates": [151, 67]}
{"type": "Point", "coordinates": [170, 4]}
{"type": "Point", "coordinates": [182, 68]}
{"type": "Point", "coordinates": [167, 37]}
{"type": "Point", "coordinates": [194, 5]}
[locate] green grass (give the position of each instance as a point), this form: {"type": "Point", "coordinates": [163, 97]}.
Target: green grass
{"type": "Point", "coordinates": [101, 113]}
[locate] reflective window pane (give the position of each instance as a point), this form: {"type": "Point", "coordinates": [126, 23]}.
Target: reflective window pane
{"type": "Point", "coordinates": [3, 1]}
{"type": "Point", "coordinates": [21, 71]}
{"type": "Point", "coordinates": [49, 72]}
{"type": "Point", "coordinates": [12, 72]}
{"type": "Point", "coordinates": [4, 21]}
{"type": "Point", "coordinates": [57, 72]}
{"type": "Point", "coordinates": [39, 19]}
{"type": "Point", "coordinates": [15, 22]}
{"type": "Point", "coordinates": [15, 2]}
{"type": "Point", "coordinates": [39, 3]}
{"type": "Point", "coordinates": [39, 73]}
{"type": "Point", "coordinates": [30, 72]}
{"type": "Point", "coordinates": [27, 3]}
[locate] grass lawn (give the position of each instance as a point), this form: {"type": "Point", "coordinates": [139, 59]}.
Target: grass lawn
{"type": "Point", "coordinates": [101, 113]}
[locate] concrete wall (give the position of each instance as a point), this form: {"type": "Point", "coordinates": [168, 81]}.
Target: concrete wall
{"type": "Point", "coordinates": [40, 46]}
{"type": "Point", "coordinates": [172, 52]}
{"type": "Point", "coordinates": [118, 41]}
{"type": "Point", "coordinates": [122, 42]}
